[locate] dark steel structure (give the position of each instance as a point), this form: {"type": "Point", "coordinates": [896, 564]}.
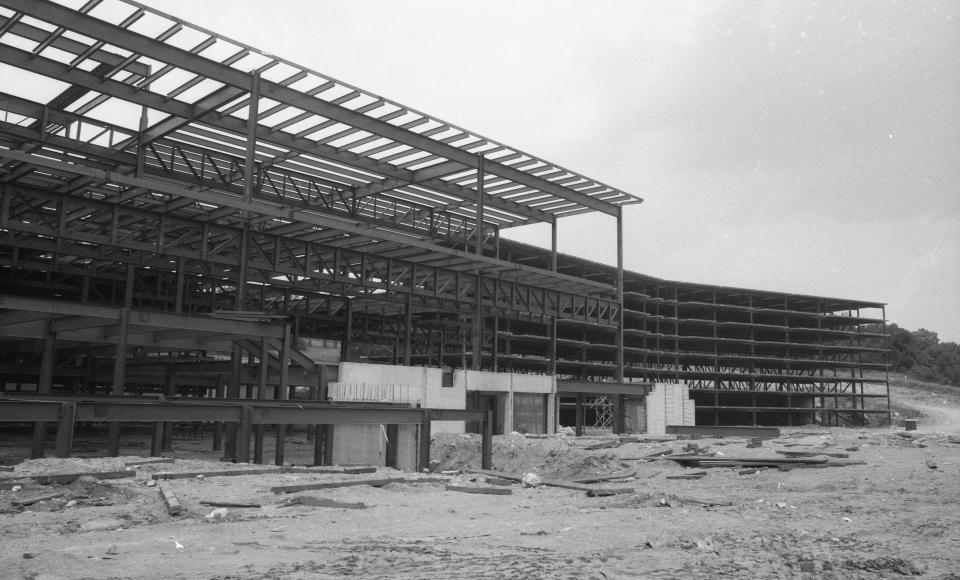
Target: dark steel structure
{"type": "Point", "coordinates": [179, 211]}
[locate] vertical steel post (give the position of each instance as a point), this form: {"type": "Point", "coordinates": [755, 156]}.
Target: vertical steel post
{"type": "Point", "coordinates": [408, 328]}
{"type": "Point", "coordinates": [243, 439]}
{"type": "Point", "coordinates": [252, 113]}
{"type": "Point", "coordinates": [120, 361]}
{"type": "Point", "coordinates": [423, 456]}
{"type": "Point", "coordinates": [65, 429]}
{"type": "Point", "coordinates": [477, 343]}
{"type": "Point", "coordinates": [552, 355]}
{"type": "Point", "coordinates": [886, 361]}
{"type": "Point", "coordinates": [620, 363]}
{"type": "Point", "coordinates": [264, 369]}
{"type": "Point", "coordinates": [486, 445]}
{"type": "Point", "coordinates": [348, 330]}
{"type": "Point", "coordinates": [284, 391]}
{"type": "Point", "coordinates": [44, 385]}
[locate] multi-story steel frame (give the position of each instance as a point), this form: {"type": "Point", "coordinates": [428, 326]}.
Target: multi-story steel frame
{"type": "Point", "coordinates": [148, 165]}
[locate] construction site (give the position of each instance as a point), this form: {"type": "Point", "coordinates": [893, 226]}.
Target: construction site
{"type": "Point", "coordinates": [229, 282]}
{"type": "Point", "coordinates": [189, 221]}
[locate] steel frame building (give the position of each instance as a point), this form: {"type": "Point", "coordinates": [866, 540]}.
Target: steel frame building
{"type": "Point", "coordinates": [179, 211]}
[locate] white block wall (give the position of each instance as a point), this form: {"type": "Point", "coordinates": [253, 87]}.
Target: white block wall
{"type": "Point", "coordinates": [669, 404]}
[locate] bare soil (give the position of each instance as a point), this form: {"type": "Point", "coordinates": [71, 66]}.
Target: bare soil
{"type": "Point", "coordinates": [896, 516]}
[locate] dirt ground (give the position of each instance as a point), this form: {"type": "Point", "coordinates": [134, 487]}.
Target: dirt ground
{"type": "Point", "coordinates": [897, 515]}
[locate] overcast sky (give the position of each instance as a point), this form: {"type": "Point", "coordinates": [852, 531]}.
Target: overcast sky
{"type": "Point", "coordinates": [809, 147]}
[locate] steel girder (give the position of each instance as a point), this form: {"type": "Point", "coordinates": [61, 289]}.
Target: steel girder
{"type": "Point", "coordinates": [207, 69]}
{"type": "Point", "coordinates": [78, 226]}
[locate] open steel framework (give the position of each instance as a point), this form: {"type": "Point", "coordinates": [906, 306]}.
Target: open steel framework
{"type": "Point", "coordinates": [178, 209]}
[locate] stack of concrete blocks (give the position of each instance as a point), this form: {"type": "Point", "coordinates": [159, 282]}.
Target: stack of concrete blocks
{"type": "Point", "coordinates": [669, 404]}
{"type": "Point", "coordinates": [411, 386]}
{"type": "Point", "coordinates": [511, 384]}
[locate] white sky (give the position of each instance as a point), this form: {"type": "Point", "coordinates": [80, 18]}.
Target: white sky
{"type": "Point", "coordinates": [809, 147]}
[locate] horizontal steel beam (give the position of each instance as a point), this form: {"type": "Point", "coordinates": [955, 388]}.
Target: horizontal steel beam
{"type": "Point", "coordinates": [140, 44]}
{"type": "Point", "coordinates": [262, 413]}
{"type": "Point", "coordinates": [159, 320]}
{"type": "Point", "coordinates": [53, 69]}
{"type": "Point", "coordinates": [601, 388]}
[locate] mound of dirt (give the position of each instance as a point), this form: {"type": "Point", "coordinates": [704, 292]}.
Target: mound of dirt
{"type": "Point", "coordinates": [557, 457]}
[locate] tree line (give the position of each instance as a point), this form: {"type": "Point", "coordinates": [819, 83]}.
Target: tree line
{"type": "Point", "coordinates": [922, 355]}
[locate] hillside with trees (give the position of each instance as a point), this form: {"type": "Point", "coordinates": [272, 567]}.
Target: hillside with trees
{"type": "Point", "coordinates": [922, 355]}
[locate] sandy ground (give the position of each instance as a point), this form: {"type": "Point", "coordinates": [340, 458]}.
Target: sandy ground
{"type": "Point", "coordinates": [898, 515]}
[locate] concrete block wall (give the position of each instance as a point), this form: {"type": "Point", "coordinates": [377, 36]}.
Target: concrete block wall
{"type": "Point", "coordinates": [421, 386]}
{"type": "Point", "coordinates": [669, 404]}
{"type": "Point", "coordinates": [367, 444]}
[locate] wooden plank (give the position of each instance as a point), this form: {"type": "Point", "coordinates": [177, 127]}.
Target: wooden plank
{"type": "Point", "coordinates": [352, 482]}
{"type": "Point", "coordinates": [811, 454]}
{"type": "Point", "coordinates": [688, 476]}
{"type": "Point", "coordinates": [732, 431]}
{"type": "Point", "coordinates": [150, 461]}
{"type": "Point", "coordinates": [703, 459]}
{"type": "Point", "coordinates": [599, 478]}
{"type": "Point", "coordinates": [603, 445]}
{"type": "Point", "coordinates": [38, 499]}
{"type": "Point", "coordinates": [481, 490]}
{"type": "Point", "coordinates": [227, 504]}
{"type": "Point", "coordinates": [170, 500]}
{"type": "Point", "coordinates": [6, 468]}
{"type": "Point", "coordinates": [821, 465]}
{"type": "Point", "coordinates": [555, 483]}
{"type": "Point", "coordinates": [264, 471]}
{"type": "Point", "coordinates": [47, 479]}
{"type": "Point", "coordinates": [705, 502]}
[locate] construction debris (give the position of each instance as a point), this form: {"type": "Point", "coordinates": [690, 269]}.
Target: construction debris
{"type": "Point", "coordinates": [149, 461]}
{"type": "Point", "coordinates": [601, 478]}
{"type": "Point", "coordinates": [370, 482]}
{"type": "Point", "coordinates": [170, 500]}
{"type": "Point", "coordinates": [270, 470]}
{"type": "Point", "coordinates": [309, 500]}
{"type": "Point", "coordinates": [480, 490]}
{"type": "Point", "coordinates": [560, 484]}
{"type": "Point", "coordinates": [227, 504]}
{"type": "Point", "coordinates": [47, 478]}
{"type": "Point", "coordinates": [33, 500]}
{"type": "Point", "coordinates": [755, 432]}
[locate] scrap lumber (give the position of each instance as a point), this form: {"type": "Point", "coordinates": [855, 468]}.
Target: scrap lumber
{"type": "Point", "coordinates": [555, 483]}
{"type": "Point", "coordinates": [733, 431]}
{"type": "Point", "coordinates": [309, 500]}
{"type": "Point", "coordinates": [481, 490]}
{"type": "Point", "coordinates": [600, 478]}
{"type": "Point", "coordinates": [705, 502]}
{"type": "Point", "coordinates": [227, 504]}
{"type": "Point", "coordinates": [38, 499]}
{"type": "Point", "coordinates": [47, 479]}
{"type": "Point", "coordinates": [713, 461]}
{"type": "Point", "coordinates": [603, 445]}
{"type": "Point", "coordinates": [352, 482]}
{"type": "Point", "coordinates": [149, 461]}
{"type": "Point", "coordinates": [811, 454]}
{"type": "Point", "coordinates": [820, 465]}
{"type": "Point", "coordinates": [694, 475]}
{"type": "Point", "coordinates": [264, 471]}
{"type": "Point", "coordinates": [648, 458]}
{"type": "Point", "coordinates": [170, 500]}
